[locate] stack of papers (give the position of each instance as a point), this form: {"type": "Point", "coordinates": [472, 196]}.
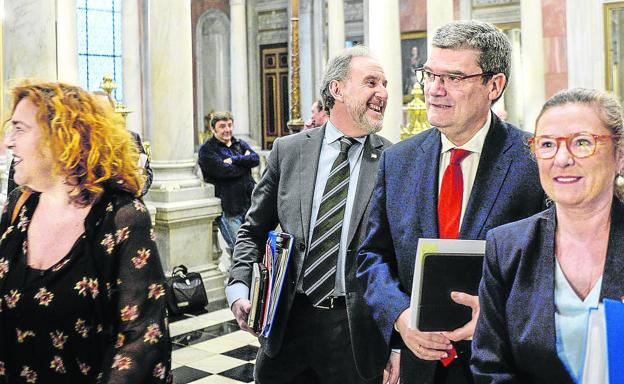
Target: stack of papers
{"type": "Point", "coordinates": [268, 280]}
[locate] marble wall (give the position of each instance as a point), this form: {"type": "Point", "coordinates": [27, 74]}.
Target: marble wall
{"type": "Point", "coordinates": [413, 15]}
{"type": "Point", "coordinates": [555, 55]}
{"type": "Point", "coordinates": [212, 65]}
{"type": "Point", "coordinates": [29, 48]}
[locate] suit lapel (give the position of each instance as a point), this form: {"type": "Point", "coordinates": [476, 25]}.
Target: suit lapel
{"type": "Point", "coordinates": [309, 153]}
{"type": "Point", "coordinates": [493, 167]}
{"type": "Point", "coordinates": [426, 180]}
{"type": "Point", "coordinates": [545, 275]}
{"type": "Point", "coordinates": [368, 166]}
{"type": "Point", "coordinates": [612, 286]}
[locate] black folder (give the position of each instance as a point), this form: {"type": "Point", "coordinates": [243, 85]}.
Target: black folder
{"type": "Point", "coordinates": [259, 285]}
{"type": "Point", "coordinates": [443, 273]}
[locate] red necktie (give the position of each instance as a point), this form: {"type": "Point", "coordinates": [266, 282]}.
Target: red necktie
{"type": "Point", "coordinates": [451, 193]}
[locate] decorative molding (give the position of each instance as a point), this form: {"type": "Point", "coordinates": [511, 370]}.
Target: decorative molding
{"type": "Point", "coordinates": [212, 71]}
{"type": "Point", "coordinates": [272, 37]}
{"type": "Point", "coordinates": [489, 3]}
{"type": "Point", "coordinates": [273, 20]}
{"type": "Point", "coordinates": [498, 15]}
{"type": "Point", "coordinates": [271, 5]}
{"type": "Point", "coordinates": [354, 30]}
{"type": "Point", "coordinates": [353, 11]}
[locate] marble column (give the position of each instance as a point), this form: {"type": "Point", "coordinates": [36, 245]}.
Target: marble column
{"type": "Point", "coordinates": [533, 85]}
{"type": "Point", "coordinates": [67, 41]}
{"type": "Point", "coordinates": [29, 39]}
{"type": "Point", "coordinates": [439, 12]}
{"type": "Point", "coordinates": [29, 50]}
{"type": "Point", "coordinates": [465, 9]}
{"type": "Point", "coordinates": [585, 70]}
{"type": "Point", "coordinates": [514, 102]}
{"type": "Point", "coordinates": [319, 44]}
{"type": "Point", "coordinates": [185, 207]}
{"type": "Point", "coordinates": [335, 27]}
{"type": "Point", "coordinates": [131, 66]}
{"type": "Point", "coordinates": [384, 39]}
{"type": "Point", "coordinates": [239, 77]}
{"type": "Point", "coordinates": [307, 93]}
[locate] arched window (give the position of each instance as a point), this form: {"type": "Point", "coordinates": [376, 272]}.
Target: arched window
{"type": "Point", "coordinates": [99, 43]}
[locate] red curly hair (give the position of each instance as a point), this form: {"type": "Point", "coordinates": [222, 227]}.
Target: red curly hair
{"type": "Point", "coordinates": [89, 143]}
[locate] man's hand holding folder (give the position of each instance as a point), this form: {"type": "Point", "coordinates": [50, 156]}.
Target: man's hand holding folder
{"type": "Point", "coordinates": [438, 345]}
{"type": "Point", "coordinates": [241, 309]}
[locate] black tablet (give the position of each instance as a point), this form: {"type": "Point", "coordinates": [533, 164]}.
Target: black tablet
{"type": "Point", "coordinates": [443, 273]}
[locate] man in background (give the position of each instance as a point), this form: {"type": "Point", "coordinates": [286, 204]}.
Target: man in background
{"type": "Point", "coordinates": [226, 162]}
{"type": "Point", "coordinates": [318, 117]}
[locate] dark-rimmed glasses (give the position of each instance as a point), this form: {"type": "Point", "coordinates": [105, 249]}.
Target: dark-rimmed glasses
{"type": "Point", "coordinates": [424, 76]}
{"type": "Point", "coordinates": [580, 144]}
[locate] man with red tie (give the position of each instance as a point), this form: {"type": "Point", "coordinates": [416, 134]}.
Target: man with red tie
{"type": "Point", "coordinates": [468, 174]}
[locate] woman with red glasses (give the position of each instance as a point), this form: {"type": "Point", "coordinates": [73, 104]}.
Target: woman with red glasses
{"type": "Point", "coordinates": [541, 275]}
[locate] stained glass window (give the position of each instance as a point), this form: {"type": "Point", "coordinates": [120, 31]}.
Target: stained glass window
{"type": "Point", "coordinates": [99, 43]}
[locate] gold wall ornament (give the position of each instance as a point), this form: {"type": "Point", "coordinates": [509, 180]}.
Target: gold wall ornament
{"type": "Point", "coordinates": [148, 150]}
{"type": "Point", "coordinates": [122, 110]}
{"type": "Point", "coordinates": [107, 85]}
{"type": "Point", "coordinates": [416, 114]}
{"type": "Point", "coordinates": [295, 124]}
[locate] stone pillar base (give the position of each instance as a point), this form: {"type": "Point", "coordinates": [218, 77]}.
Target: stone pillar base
{"type": "Point", "coordinates": [185, 211]}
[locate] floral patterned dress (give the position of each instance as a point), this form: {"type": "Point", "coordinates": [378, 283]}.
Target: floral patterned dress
{"type": "Point", "coordinates": [98, 315]}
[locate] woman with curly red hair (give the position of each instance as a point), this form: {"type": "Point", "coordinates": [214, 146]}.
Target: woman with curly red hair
{"type": "Point", "coordinates": [81, 284]}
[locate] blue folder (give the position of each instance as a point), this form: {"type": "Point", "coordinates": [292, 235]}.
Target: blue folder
{"type": "Point", "coordinates": [614, 319]}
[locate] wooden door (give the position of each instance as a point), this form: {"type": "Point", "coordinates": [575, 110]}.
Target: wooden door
{"type": "Point", "coordinates": [274, 59]}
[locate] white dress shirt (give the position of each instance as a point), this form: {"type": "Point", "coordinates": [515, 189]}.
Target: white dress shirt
{"type": "Point", "coordinates": [469, 165]}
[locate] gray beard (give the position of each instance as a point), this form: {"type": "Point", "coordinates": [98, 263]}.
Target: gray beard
{"type": "Point", "coordinates": [358, 115]}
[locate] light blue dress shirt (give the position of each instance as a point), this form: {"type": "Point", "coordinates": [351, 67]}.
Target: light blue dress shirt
{"type": "Point", "coordinates": [329, 152]}
{"type": "Point", "coordinates": [571, 316]}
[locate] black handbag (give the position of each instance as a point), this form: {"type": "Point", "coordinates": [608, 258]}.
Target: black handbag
{"type": "Point", "coordinates": [185, 291]}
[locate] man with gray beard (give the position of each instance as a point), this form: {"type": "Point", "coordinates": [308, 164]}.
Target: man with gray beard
{"type": "Point", "coordinates": [317, 187]}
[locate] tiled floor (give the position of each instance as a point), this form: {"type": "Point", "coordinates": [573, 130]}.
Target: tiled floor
{"type": "Point", "coordinates": [210, 348]}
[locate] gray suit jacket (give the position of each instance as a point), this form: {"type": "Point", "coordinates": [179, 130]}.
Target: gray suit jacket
{"type": "Point", "coordinates": [284, 196]}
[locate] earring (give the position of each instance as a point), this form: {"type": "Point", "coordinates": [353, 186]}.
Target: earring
{"type": "Point", "coordinates": [619, 180]}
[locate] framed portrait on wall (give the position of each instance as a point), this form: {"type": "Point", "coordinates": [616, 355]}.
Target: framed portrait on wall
{"type": "Point", "coordinates": [413, 56]}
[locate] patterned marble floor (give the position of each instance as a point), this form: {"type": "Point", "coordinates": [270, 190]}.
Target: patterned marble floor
{"type": "Point", "coordinates": [210, 348]}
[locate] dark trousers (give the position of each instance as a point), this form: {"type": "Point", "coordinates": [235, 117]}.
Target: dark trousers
{"type": "Point", "coordinates": [316, 349]}
{"type": "Point", "coordinates": [417, 371]}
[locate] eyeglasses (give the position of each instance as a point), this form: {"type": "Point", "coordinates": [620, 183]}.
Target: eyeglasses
{"type": "Point", "coordinates": [580, 144]}
{"type": "Point", "coordinates": [424, 76]}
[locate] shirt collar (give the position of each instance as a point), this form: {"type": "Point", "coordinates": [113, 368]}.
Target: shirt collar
{"type": "Point", "coordinates": [333, 134]}
{"type": "Point", "coordinates": [475, 144]}
{"type": "Point", "coordinates": [219, 142]}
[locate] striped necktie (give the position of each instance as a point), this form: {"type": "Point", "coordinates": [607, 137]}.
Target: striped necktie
{"type": "Point", "coordinates": [319, 276]}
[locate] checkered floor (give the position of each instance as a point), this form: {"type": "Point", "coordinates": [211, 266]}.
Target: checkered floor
{"type": "Point", "coordinates": [210, 348]}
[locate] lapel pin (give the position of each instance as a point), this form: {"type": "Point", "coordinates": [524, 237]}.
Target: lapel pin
{"type": "Point", "coordinates": [373, 155]}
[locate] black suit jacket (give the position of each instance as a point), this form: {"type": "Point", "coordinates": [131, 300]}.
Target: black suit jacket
{"type": "Point", "coordinates": [404, 209]}
{"type": "Point", "coordinates": [515, 340]}
{"type": "Point", "coordinates": [284, 196]}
